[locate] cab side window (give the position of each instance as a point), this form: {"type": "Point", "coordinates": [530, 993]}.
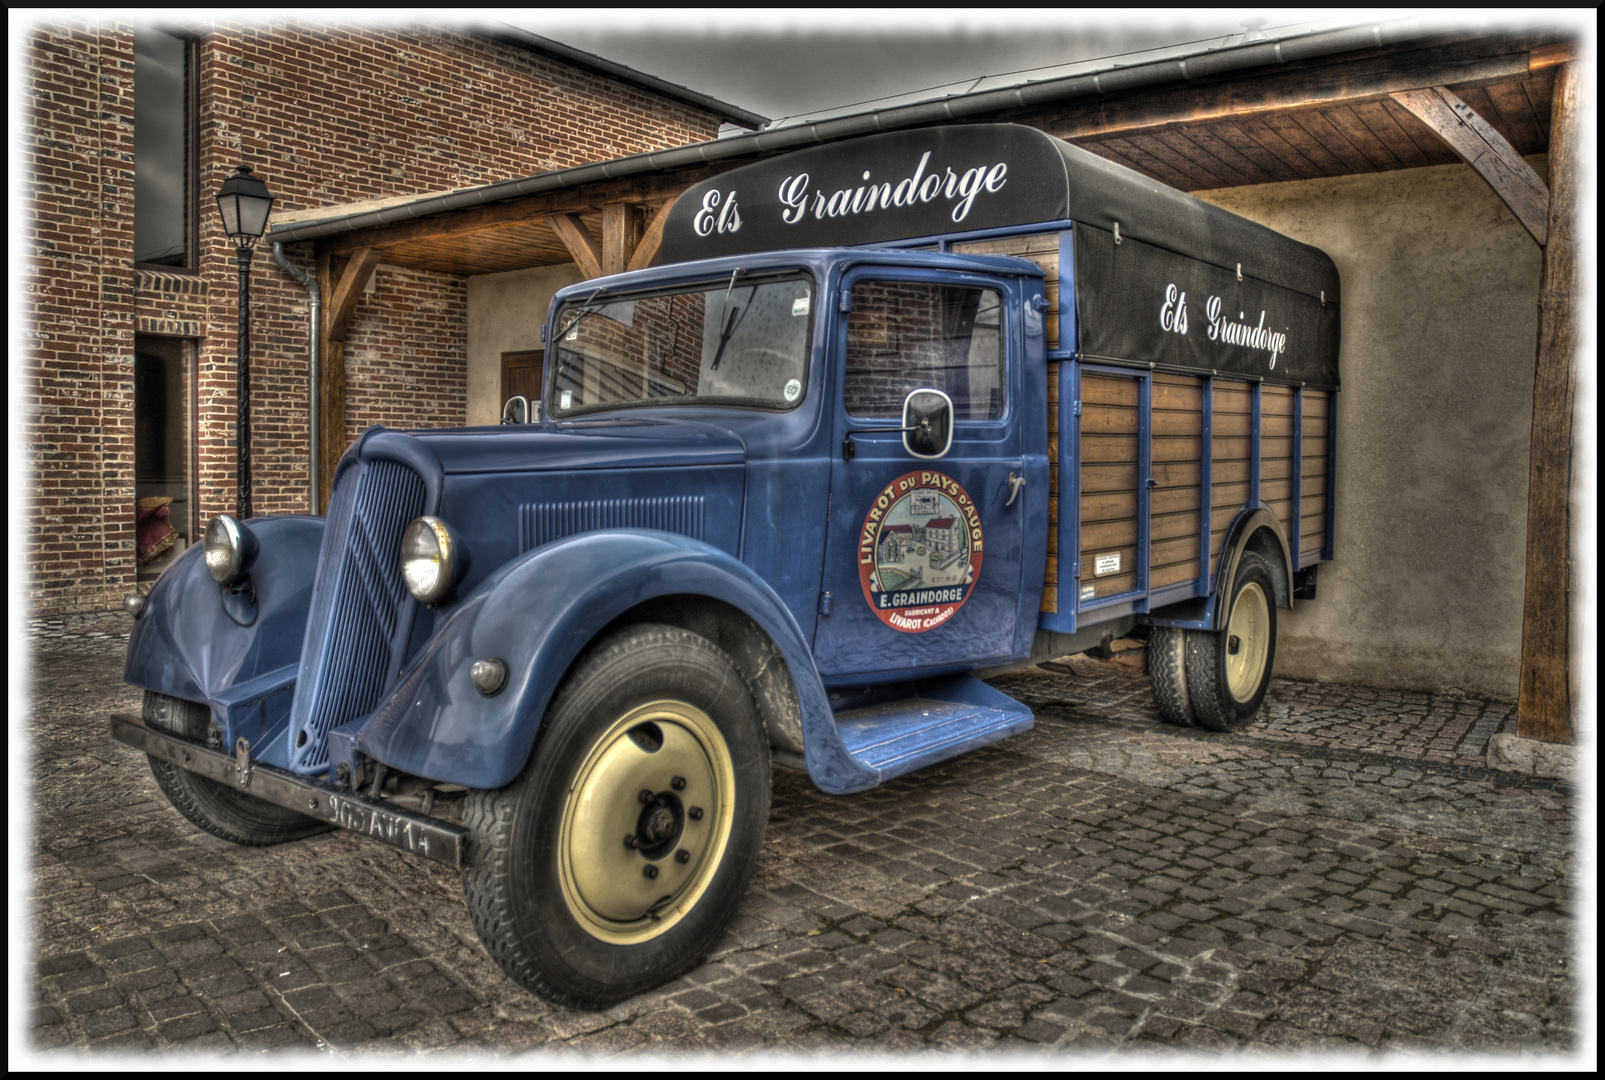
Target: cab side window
{"type": "Point", "coordinates": [905, 335]}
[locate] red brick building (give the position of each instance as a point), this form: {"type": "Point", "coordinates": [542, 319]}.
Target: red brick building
{"type": "Point", "coordinates": [130, 295]}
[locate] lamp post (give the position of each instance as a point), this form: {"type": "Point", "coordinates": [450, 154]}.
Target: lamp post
{"type": "Point", "coordinates": [244, 202]}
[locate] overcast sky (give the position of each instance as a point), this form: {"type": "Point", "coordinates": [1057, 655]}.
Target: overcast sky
{"type": "Point", "coordinates": [780, 64]}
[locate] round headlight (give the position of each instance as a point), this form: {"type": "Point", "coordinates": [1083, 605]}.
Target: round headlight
{"type": "Point", "coordinates": [229, 548]}
{"type": "Point", "coordinates": [428, 557]}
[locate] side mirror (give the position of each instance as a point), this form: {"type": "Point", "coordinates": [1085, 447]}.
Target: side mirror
{"type": "Point", "coordinates": [516, 411]}
{"type": "Point", "coordinates": [927, 423]}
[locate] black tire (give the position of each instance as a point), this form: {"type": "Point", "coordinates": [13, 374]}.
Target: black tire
{"type": "Point", "coordinates": [1167, 674]}
{"type": "Point", "coordinates": [1229, 670]}
{"type": "Point", "coordinates": [214, 807]}
{"type": "Point", "coordinates": [559, 896]}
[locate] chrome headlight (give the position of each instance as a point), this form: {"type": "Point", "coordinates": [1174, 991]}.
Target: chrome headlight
{"type": "Point", "coordinates": [229, 548]}
{"type": "Point", "coordinates": [428, 559]}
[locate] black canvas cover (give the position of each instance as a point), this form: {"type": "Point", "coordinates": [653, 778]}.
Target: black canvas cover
{"type": "Point", "coordinates": [1255, 302]}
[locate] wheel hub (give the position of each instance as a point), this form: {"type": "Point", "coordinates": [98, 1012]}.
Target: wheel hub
{"type": "Point", "coordinates": [660, 778]}
{"type": "Point", "coordinates": [1247, 641]}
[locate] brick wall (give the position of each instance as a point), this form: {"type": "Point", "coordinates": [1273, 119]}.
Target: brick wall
{"type": "Point", "coordinates": [326, 115]}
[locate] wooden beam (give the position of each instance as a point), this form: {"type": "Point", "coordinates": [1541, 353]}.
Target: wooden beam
{"type": "Point", "coordinates": [358, 269]}
{"type": "Point", "coordinates": [1485, 150]}
{"type": "Point", "coordinates": [331, 386]}
{"type": "Point", "coordinates": [646, 252]}
{"type": "Point", "coordinates": [577, 238]}
{"type": "Point", "coordinates": [1279, 91]}
{"type": "Point", "coordinates": [1547, 705]}
{"type": "Point", "coordinates": [651, 189]}
{"type": "Point", "coordinates": [620, 232]}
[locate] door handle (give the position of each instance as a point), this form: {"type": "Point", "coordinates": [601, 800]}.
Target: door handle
{"type": "Point", "coordinates": [1015, 484]}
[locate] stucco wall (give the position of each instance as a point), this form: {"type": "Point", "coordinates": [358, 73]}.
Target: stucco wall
{"type": "Point", "coordinates": [505, 314]}
{"type": "Point", "coordinates": [1440, 291]}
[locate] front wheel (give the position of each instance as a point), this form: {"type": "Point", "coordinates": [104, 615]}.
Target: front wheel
{"type": "Point", "coordinates": [214, 807]}
{"type": "Point", "coordinates": [1228, 671]}
{"type": "Point", "coordinates": [615, 861]}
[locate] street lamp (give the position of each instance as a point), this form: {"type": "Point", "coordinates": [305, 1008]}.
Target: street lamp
{"type": "Point", "coordinates": [244, 202]}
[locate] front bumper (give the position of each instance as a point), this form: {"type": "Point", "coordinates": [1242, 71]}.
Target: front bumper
{"type": "Point", "coordinates": [429, 837]}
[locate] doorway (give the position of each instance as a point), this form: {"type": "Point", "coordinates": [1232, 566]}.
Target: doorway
{"type": "Point", "coordinates": [164, 466]}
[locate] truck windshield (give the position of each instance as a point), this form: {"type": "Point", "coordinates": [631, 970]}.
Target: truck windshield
{"type": "Point", "coordinates": [741, 344]}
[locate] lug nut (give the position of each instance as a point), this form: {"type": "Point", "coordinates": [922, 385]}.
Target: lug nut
{"type": "Point", "coordinates": [650, 871]}
{"type": "Point", "coordinates": [646, 796]}
{"type": "Point", "coordinates": [632, 842]}
{"type": "Point", "coordinates": [678, 783]}
{"type": "Point", "coordinates": [682, 855]}
{"type": "Point", "coordinates": [696, 813]}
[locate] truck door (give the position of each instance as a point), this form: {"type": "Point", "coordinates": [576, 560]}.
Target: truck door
{"type": "Point", "coordinates": [923, 557]}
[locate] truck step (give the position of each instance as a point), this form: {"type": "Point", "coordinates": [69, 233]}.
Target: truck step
{"type": "Point", "coordinates": [945, 718]}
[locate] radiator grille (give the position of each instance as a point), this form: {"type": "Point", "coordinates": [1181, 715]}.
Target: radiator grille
{"type": "Point", "coordinates": [541, 523]}
{"type": "Point", "coordinates": [361, 609]}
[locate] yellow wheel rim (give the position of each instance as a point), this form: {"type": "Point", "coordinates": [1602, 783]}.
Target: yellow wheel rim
{"type": "Point", "coordinates": [1247, 641]}
{"type": "Point", "coordinates": [645, 822]}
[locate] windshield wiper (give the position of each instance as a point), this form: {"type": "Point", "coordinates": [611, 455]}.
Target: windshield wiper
{"type": "Point", "coordinates": [586, 310]}
{"type": "Point", "coordinates": [732, 315]}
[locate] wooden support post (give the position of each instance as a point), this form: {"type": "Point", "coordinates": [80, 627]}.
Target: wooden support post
{"type": "Point", "coordinates": [621, 230]}
{"type": "Point", "coordinates": [1548, 694]}
{"type": "Point", "coordinates": [331, 384]}
{"type": "Point", "coordinates": [647, 250]}
{"type": "Point", "coordinates": [581, 245]}
{"type": "Point", "coordinates": [1485, 150]}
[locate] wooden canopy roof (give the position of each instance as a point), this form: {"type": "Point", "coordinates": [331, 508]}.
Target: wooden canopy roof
{"type": "Point", "coordinates": [1330, 104]}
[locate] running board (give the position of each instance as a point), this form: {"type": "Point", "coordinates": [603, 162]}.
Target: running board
{"type": "Point", "coordinates": [945, 718]}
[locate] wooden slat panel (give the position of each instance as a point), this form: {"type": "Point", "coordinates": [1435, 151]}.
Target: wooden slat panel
{"type": "Point", "coordinates": [1176, 448]}
{"type": "Point", "coordinates": [1238, 424]}
{"type": "Point", "coordinates": [1272, 425]}
{"type": "Point", "coordinates": [1108, 419]}
{"type": "Point", "coordinates": [1276, 401]}
{"type": "Point", "coordinates": [1170, 526]}
{"type": "Point", "coordinates": [1314, 484]}
{"type": "Point", "coordinates": [1315, 403]}
{"type": "Point", "coordinates": [1096, 478]}
{"type": "Point", "coordinates": [1176, 499]}
{"type": "Point", "coordinates": [1283, 509]}
{"type": "Point", "coordinates": [1107, 390]}
{"type": "Point", "coordinates": [1160, 577]}
{"type": "Point", "coordinates": [1229, 496]}
{"type": "Point", "coordinates": [1101, 535]}
{"type": "Point", "coordinates": [1313, 506]}
{"type": "Point", "coordinates": [1109, 586]}
{"type": "Point", "coordinates": [1168, 396]}
{"type": "Point", "coordinates": [1274, 490]}
{"type": "Point", "coordinates": [1176, 549]}
{"type": "Point", "coordinates": [1276, 448]}
{"type": "Point", "coordinates": [1233, 449]}
{"type": "Point", "coordinates": [1280, 134]}
{"type": "Point", "coordinates": [1040, 248]}
{"type": "Point", "coordinates": [1229, 472]}
{"type": "Point", "coordinates": [1275, 469]}
{"type": "Point", "coordinates": [1108, 448]}
{"type": "Point", "coordinates": [1177, 423]}
{"type": "Point", "coordinates": [1050, 599]}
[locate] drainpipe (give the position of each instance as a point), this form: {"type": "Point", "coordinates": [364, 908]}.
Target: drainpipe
{"type": "Point", "coordinates": [315, 299]}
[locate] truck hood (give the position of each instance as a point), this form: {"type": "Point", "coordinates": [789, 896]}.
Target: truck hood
{"type": "Point", "coordinates": [582, 444]}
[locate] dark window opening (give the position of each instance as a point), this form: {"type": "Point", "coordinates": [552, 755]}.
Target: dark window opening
{"type": "Point", "coordinates": [164, 499]}
{"type": "Point", "coordinates": [164, 187]}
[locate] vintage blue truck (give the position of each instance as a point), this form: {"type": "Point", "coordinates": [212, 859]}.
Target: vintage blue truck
{"type": "Point", "coordinates": [891, 412]}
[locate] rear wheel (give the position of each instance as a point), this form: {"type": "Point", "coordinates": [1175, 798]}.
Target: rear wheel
{"type": "Point", "coordinates": [215, 807]}
{"type": "Point", "coordinates": [1228, 671]}
{"type": "Point", "coordinates": [1167, 673]}
{"type": "Point", "coordinates": [618, 857]}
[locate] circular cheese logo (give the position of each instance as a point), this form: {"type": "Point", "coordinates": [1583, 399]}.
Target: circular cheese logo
{"type": "Point", "coordinates": [919, 554]}
{"type": "Point", "coordinates": [792, 390]}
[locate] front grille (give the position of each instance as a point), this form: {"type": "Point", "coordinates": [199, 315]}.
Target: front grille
{"type": "Point", "coordinates": [361, 612]}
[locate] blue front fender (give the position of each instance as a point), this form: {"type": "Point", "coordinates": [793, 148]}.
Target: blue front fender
{"type": "Point", "coordinates": [185, 644]}
{"type": "Point", "coordinates": [537, 613]}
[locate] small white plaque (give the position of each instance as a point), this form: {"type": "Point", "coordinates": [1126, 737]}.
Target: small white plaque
{"type": "Point", "coordinates": [1106, 564]}
{"type": "Point", "coordinates": [799, 306]}
{"type": "Point", "coordinates": [1088, 591]}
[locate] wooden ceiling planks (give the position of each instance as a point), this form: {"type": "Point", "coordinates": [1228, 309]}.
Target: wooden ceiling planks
{"type": "Point", "coordinates": [1290, 124]}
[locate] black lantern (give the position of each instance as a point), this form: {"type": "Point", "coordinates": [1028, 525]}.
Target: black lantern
{"type": "Point", "coordinates": [244, 202]}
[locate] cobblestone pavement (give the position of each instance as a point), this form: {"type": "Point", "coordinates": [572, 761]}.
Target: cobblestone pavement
{"type": "Point", "coordinates": [1346, 877]}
